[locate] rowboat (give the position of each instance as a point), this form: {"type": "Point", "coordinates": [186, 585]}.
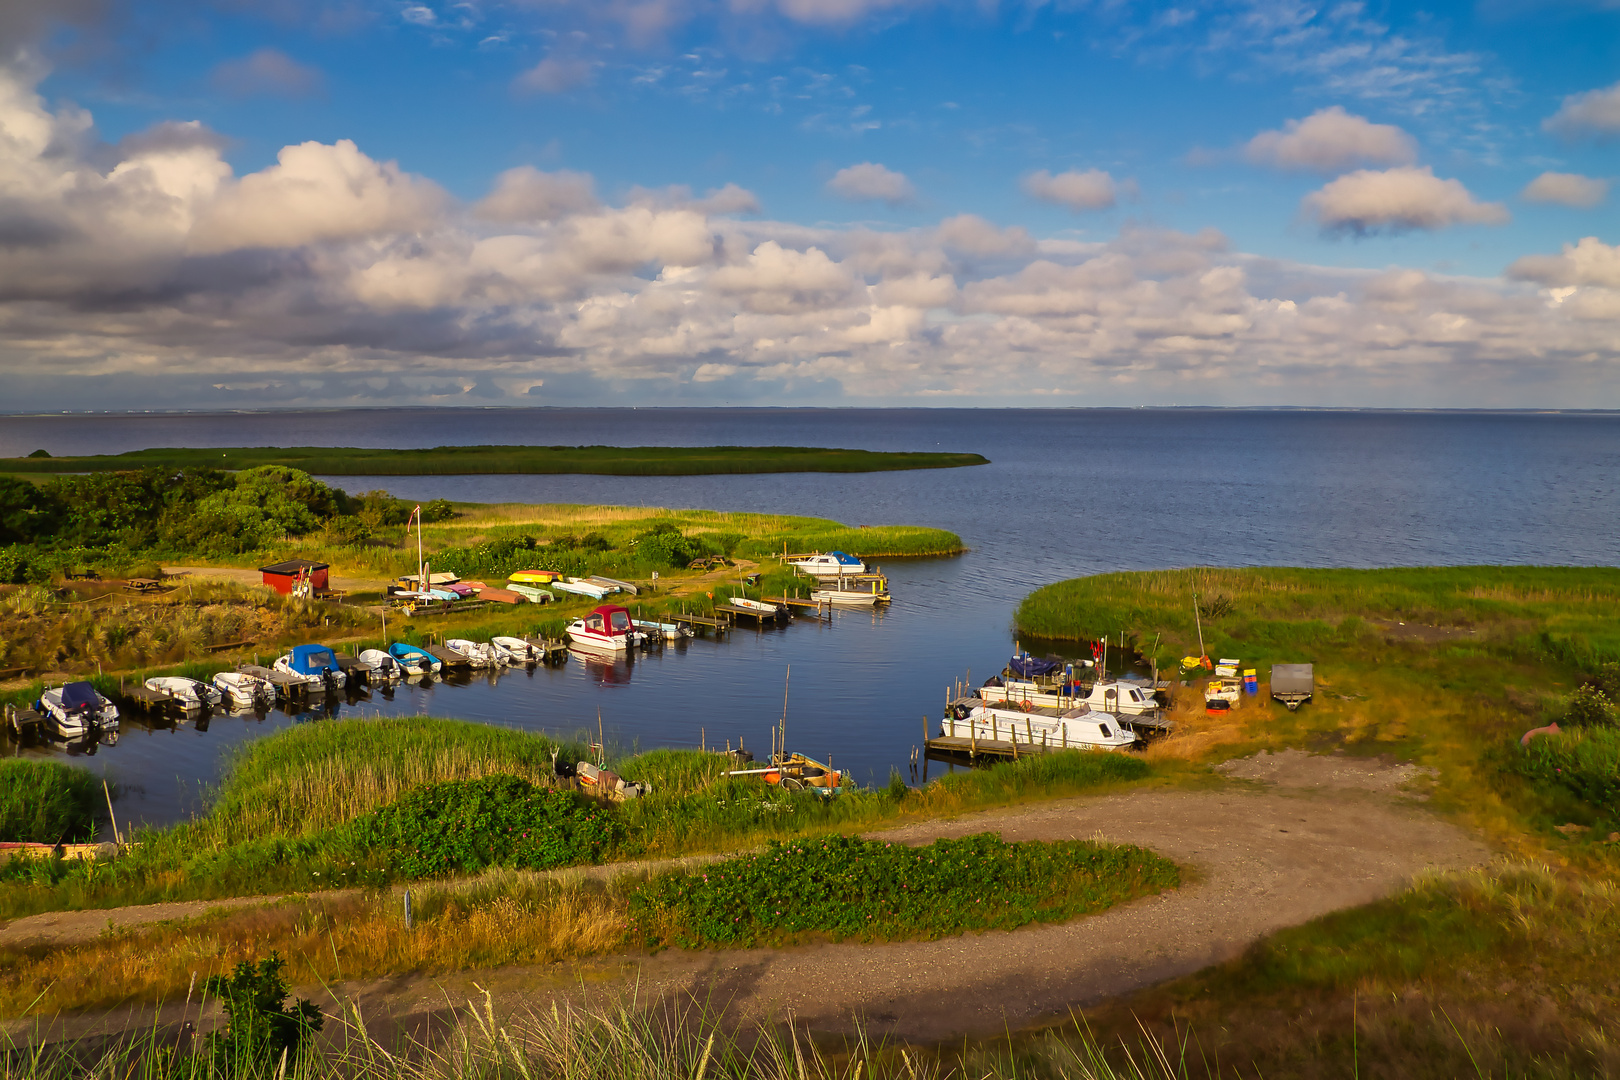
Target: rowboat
{"type": "Point", "coordinates": [584, 588]}
{"type": "Point", "coordinates": [479, 654]}
{"type": "Point", "coordinates": [662, 630]}
{"type": "Point", "coordinates": [615, 583]}
{"type": "Point", "coordinates": [608, 628]}
{"type": "Point", "coordinates": [245, 691]}
{"type": "Point", "coordinates": [76, 709]}
{"type": "Point", "coordinates": [518, 650]}
{"type": "Point", "coordinates": [381, 666]}
{"type": "Point", "coordinates": [533, 577]}
{"type": "Point", "coordinates": [534, 595]}
{"type": "Point", "coordinates": [796, 772]}
{"type": "Point", "coordinates": [764, 608]}
{"type": "Point", "coordinates": [190, 694]}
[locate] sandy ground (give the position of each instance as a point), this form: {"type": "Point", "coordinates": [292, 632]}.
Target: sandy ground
{"type": "Point", "coordinates": [1293, 837]}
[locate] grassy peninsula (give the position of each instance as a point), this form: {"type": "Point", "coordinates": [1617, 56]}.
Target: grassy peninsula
{"type": "Point", "coordinates": [461, 460]}
{"type": "Point", "coordinates": [1444, 668]}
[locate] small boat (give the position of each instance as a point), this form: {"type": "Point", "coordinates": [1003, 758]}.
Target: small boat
{"type": "Point", "coordinates": [413, 581]}
{"type": "Point", "coordinates": [191, 694]}
{"type": "Point", "coordinates": [796, 772]}
{"type": "Point", "coordinates": [381, 666]}
{"type": "Point", "coordinates": [533, 577]}
{"type": "Point", "coordinates": [1131, 699]}
{"type": "Point", "coordinates": [483, 654]}
{"type": "Point", "coordinates": [832, 564]}
{"type": "Point", "coordinates": [615, 583]}
{"type": "Point", "coordinates": [315, 665]}
{"type": "Point", "coordinates": [580, 587]}
{"type": "Point", "coordinates": [415, 661]}
{"type": "Point", "coordinates": [535, 595]}
{"type": "Point", "coordinates": [596, 780]}
{"type": "Point", "coordinates": [1051, 729]}
{"type": "Point", "coordinates": [663, 631]}
{"type": "Point", "coordinates": [245, 691]}
{"type": "Point", "coordinates": [518, 651]}
{"type": "Point", "coordinates": [764, 608]}
{"type": "Point", "coordinates": [608, 628]}
{"type": "Point", "coordinates": [76, 709]}
{"type": "Point", "coordinates": [853, 596]}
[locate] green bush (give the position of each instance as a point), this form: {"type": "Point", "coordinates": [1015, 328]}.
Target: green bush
{"type": "Point", "coordinates": [1585, 762]}
{"type": "Point", "coordinates": [261, 1029]}
{"type": "Point", "coordinates": [1589, 705]}
{"type": "Point", "coordinates": [46, 802]}
{"type": "Point", "coordinates": [438, 510]}
{"type": "Point", "coordinates": [664, 546]}
{"type": "Point", "coordinates": [847, 887]}
{"type": "Point", "coordinates": [491, 821]}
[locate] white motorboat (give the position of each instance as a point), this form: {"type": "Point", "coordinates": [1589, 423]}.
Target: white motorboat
{"type": "Point", "coordinates": [662, 630]}
{"type": "Point", "coordinates": [76, 709]}
{"type": "Point", "coordinates": [481, 654]}
{"type": "Point", "coordinates": [518, 650]}
{"type": "Point", "coordinates": [1048, 728]}
{"type": "Point", "coordinates": [381, 666]}
{"type": "Point", "coordinates": [191, 694]}
{"type": "Point", "coordinates": [1130, 699]}
{"type": "Point", "coordinates": [764, 607]}
{"type": "Point", "coordinates": [854, 596]}
{"type": "Point", "coordinates": [832, 564]}
{"type": "Point", "coordinates": [244, 691]}
{"type": "Point", "coordinates": [608, 628]}
{"type": "Point", "coordinates": [313, 665]}
{"type": "Point", "coordinates": [580, 587]}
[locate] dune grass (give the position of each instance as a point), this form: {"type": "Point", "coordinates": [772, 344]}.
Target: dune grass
{"type": "Point", "coordinates": [47, 802]}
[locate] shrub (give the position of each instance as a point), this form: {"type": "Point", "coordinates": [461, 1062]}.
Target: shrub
{"type": "Point", "coordinates": [438, 510]}
{"type": "Point", "coordinates": [664, 545]}
{"type": "Point", "coordinates": [261, 1028]}
{"type": "Point", "coordinates": [1589, 705]}
{"type": "Point", "coordinates": [46, 802]}
{"type": "Point", "coordinates": [490, 821]}
{"type": "Point", "coordinates": [1584, 762]}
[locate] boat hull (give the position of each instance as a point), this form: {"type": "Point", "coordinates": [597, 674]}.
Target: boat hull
{"type": "Point", "coordinates": [1048, 729]}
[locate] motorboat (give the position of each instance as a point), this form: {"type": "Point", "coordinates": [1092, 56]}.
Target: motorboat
{"type": "Point", "coordinates": [518, 650]}
{"type": "Point", "coordinates": [244, 691]}
{"type": "Point", "coordinates": [1130, 699]}
{"type": "Point", "coordinates": [190, 694]}
{"type": "Point", "coordinates": [832, 564]}
{"type": "Point", "coordinates": [580, 587]}
{"type": "Point", "coordinates": [481, 654]}
{"type": "Point", "coordinates": [534, 594]}
{"type": "Point", "coordinates": [662, 631]}
{"type": "Point", "coordinates": [608, 628]}
{"type": "Point", "coordinates": [380, 665]}
{"type": "Point", "coordinates": [532, 577]}
{"type": "Point", "coordinates": [77, 709]}
{"type": "Point", "coordinates": [415, 661]}
{"type": "Point", "coordinates": [852, 595]}
{"type": "Point", "coordinates": [1050, 729]}
{"type": "Point", "coordinates": [314, 665]}
{"type": "Point", "coordinates": [764, 608]}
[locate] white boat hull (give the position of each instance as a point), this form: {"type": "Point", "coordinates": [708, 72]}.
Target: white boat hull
{"type": "Point", "coordinates": [518, 651]}
{"type": "Point", "coordinates": [1046, 728]}
{"type": "Point", "coordinates": [849, 598]}
{"type": "Point", "coordinates": [1017, 691]}
{"type": "Point", "coordinates": [75, 724]}
{"type": "Point", "coordinates": [189, 693]}
{"type": "Point", "coordinates": [381, 666]}
{"type": "Point", "coordinates": [244, 691]}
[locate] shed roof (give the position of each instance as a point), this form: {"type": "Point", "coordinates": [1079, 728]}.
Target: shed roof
{"type": "Point", "coordinates": [293, 566]}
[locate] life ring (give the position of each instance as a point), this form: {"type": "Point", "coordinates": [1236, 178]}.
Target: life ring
{"type": "Point", "coordinates": [1025, 705]}
{"type": "Point", "coordinates": [1205, 663]}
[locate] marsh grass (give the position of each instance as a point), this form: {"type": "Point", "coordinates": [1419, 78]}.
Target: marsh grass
{"type": "Point", "coordinates": [47, 802]}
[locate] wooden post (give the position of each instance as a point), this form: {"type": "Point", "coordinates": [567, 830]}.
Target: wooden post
{"type": "Point", "coordinates": [1029, 731]}
{"type": "Point", "coordinates": [105, 790]}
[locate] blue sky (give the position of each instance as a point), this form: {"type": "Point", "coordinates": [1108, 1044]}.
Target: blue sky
{"type": "Point", "coordinates": [1080, 198]}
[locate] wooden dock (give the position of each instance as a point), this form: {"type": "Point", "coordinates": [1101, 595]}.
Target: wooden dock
{"type": "Point", "coordinates": [949, 742]}
{"type": "Point", "coordinates": [22, 722]}
{"type": "Point", "coordinates": [552, 650]}
{"type": "Point", "coordinates": [757, 616]}
{"type": "Point", "coordinates": [448, 657]}
{"type": "Point", "coordinates": [288, 687]}
{"type": "Point", "coordinates": [720, 624]}
{"type": "Point", "coordinates": [354, 672]}
{"type": "Point", "coordinates": [154, 702]}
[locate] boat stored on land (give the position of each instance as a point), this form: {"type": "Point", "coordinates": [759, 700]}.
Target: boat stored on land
{"type": "Point", "coordinates": [190, 694]}
{"type": "Point", "coordinates": [415, 661]}
{"type": "Point", "coordinates": [76, 709]}
{"type": "Point", "coordinates": [614, 583]}
{"type": "Point", "coordinates": [533, 577]}
{"type": "Point", "coordinates": [580, 587]}
{"type": "Point", "coordinates": [796, 772]}
{"type": "Point", "coordinates": [832, 564]}
{"type": "Point", "coordinates": [243, 691]}
{"type": "Point", "coordinates": [533, 594]}
{"type": "Point", "coordinates": [315, 664]}
{"type": "Point", "coordinates": [608, 628]}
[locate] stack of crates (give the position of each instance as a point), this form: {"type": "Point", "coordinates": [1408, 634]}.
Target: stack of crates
{"type": "Point", "coordinates": [1251, 681]}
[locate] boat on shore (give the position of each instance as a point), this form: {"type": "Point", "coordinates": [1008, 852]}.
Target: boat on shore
{"type": "Point", "coordinates": [615, 583]}
{"type": "Point", "coordinates": [1049, 729]}
{"type": "Point", "coordinates": [532, 577]}
{"type": "Point", "coordinates": [581, 587]}
{"type": "Point", "coordinates": [77, 709]}
{"type": "Point", "coordinates": [532, 593]}
{"type": "Point", "coordinates": [796, 772]}
{"type": "Point", "coordinates": [244, 691]}
{"type": "Point", "coordinates": [415, 661]}
{"type": "Point", "coordinates": [608, 628]}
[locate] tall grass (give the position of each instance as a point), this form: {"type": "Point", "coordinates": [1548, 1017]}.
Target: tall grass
{"type": "Point", "coordinates": [47, 802]}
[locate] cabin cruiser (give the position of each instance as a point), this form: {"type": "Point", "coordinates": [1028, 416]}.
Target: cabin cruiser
{"type": "Point", "coordinates": [190, 694]}
{"type": "Point", "coordinates": [608, 628]}
{"type": "Point", "coordinates": [415, 661]}
{"type": "Point", "coordinates": [245, 691]}
{"type": "Point", "coordinates": [314, 665]}
{"type": "Point", "coordinates": [76, 709]}
{"type": "Point", "coordinates": [1047, 728]}
{"type": "Point", "coordinates": [832, 564]}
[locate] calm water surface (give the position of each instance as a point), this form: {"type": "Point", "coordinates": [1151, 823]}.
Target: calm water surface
{"type": "Point", "coordinates": [1068, 492]}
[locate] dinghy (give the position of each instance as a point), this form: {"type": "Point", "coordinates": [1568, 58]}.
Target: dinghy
{"type": "Point", "coordinates": [584, 588]}
{"type": "Point", "coordinates": [765, 608]}
{"type": "Point", "coordinates": [415, 661]}
{"type": "Point", "coordinates": [532, 593]}
{"type": "Point", "coordinates": [877, 592]}
{"type": "Point", "coordinates": [533, 577]}
{"type": "Point", "coordinates": [480, 654]}
{"type": "Point", "coordinates": [521, 652]}
{"type": "Point", "coordinates": [76, 709]}
{"type": "Point", "coordinates": [662, 631]}
{"type": "Point", "coordinates": [191, 694]}
{"type": "Point", "coordinates": [243, 691]}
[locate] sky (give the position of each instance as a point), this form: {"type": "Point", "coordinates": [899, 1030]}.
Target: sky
{"type": "Point", "coordinates": [282, 203]}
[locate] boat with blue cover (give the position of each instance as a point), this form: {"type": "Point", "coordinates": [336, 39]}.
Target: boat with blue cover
{"type": "Point", "coordinates": [832, 564]}
{"type": "Point", "coordinates": [414, 660]}
{"type": "Point", "coordinates": [76, 709]}
{"type": "Point", "coordinates": [315, 665]}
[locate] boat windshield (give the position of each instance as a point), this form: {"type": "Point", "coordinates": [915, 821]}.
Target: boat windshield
{"type": "Point", "coordinates": [318, 658]}
{"type": "Point", "coordinates": [594, 622]}
{"type": "Point", "coordinates": [621, 621]}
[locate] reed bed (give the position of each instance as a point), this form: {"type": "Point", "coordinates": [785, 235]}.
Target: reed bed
{"type": "Point", "coordinates": [47, 802]}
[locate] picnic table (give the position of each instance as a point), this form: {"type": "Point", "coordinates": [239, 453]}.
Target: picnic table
{"type": "Point", "coordinates": [146, 585]}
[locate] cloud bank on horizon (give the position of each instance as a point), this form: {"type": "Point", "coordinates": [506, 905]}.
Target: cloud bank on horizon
{"type": "Point", "coordinates": [484, 202]}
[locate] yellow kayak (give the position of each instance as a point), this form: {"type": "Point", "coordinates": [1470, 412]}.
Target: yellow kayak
{"type": "Point", "coordinates": [534, 577]}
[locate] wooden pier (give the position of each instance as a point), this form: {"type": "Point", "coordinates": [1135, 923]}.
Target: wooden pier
{"type": "Point", "coordinates": [720, 624]}
{"type": "Point", "coordinates": [758, 616]}
{"type": "Point", "coordinates": [288, 688]}
{"type": "Point", "coordinates": [354, 672]}
{"type": "Point", "coordinates": [551, 650]}
{"type": "Point", "coordinates": [154, 702]}
{"type": "Point", "coordinates": [450, 658]}
{"type": "Point", "coordinates": [22, 722]}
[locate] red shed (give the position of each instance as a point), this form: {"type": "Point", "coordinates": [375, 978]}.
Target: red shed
{"type": "Point", "coordinates": [283, 575]}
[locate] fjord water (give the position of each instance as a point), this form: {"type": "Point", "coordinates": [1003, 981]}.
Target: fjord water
{"type": "Point", "coordinates": [1068, 492]}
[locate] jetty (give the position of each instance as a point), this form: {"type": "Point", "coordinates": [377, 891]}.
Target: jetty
{"type": "Point", "coordinates": [551, 650]}
{"type": "Point", "coordinates": [24, 721]}
{"type": "Point", "coordinates": [288, 688]}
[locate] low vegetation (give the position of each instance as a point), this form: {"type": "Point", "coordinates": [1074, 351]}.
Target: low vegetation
{"type": "Point", "coordinates": [46, 802]}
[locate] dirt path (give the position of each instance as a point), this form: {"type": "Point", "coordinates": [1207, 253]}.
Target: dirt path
{"type": "Point", "coordinates": [1304, 836]}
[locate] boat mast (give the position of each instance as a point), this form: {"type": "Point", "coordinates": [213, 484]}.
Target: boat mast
{"type": "Point", "coordinates": [782, 737]}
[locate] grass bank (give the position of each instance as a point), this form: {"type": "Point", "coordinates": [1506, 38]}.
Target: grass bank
{"type": "Point", "coordinates": [462, 460]}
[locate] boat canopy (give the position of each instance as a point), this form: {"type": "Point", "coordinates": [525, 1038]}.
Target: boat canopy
{"type": "Point", "coordinates": [1028, 667]}
{"type": "Point", "coordinates": [609, 619]}
{"type": "Point", "coordinates": [80, 695]}
{"type": "Point", "coordinates": [845, 558]}
{"type": "Point", "coordinates": [312, 659]}
{"type": "Point", "coordinates": [400, 648]}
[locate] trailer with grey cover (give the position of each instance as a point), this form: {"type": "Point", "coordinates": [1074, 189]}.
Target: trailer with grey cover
{"type": "Point", "coordinates": [1293, 684]}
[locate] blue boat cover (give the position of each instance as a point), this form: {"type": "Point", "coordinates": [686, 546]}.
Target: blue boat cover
{"type": "Point", "coordinates": [400, 650]}
{"type": "Point", "coordinates": [312, 659]}
{"type": "Point", "coordinates": [845, 558]}
{"type": "Point", "coordinates": [79, 695]}
{"type": "Point", "coordinates": [1027, 667]}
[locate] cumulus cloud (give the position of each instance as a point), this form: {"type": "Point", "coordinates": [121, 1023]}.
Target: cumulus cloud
{"type": "Point", "coordinates": [266, 72]}
{"type": "Point", "coordinates": [1566, 189]}
{"type": "Point", "coordinates": [527, 194]}
{"type": "Point", "coordinates": [1330, 141]}
{"type": "Point", "coordinates": [1395, 201]}
{"type": "Point", "coordinates": [972, 235]}
{"type": "Point", "coordinates": [1093, 189]}
{"type": "Point", "coordinates": [1590, 262]}
{"type": "Point", "coordinates": [554, 75]}
{"type": "Point", "coordinates": [1595, 112]}
{"type": "Point", "coordinates": [870, 181]}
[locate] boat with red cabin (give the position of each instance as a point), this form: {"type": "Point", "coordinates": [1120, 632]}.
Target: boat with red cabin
{"type": "Point", "coordinates": [608, 628]}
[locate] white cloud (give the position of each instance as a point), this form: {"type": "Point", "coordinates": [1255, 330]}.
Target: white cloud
{"type": "Point", "coordinates": [1331, 140]}
{"type": "Point", "coordinates": [1590, 262]}
{"type": "Point", "coordinates": [972, 235]}
{"type": "Point", "coordinates": [527, 194]}
{"type": "Point", "coordinates": [1397, 200]}
{"type": "Point", "coordinates": [1566, 189]}
{"type": "Point", "coordinates": [1093, 189]}
{"type": "Point", "coordinates": [1595, 112]}
{"type": "Point", "coordinates": [871, 181]}
{"type": "Point", "coordinates": [266, 72]}
{"type": "Point", "coordinates": [554, 75]}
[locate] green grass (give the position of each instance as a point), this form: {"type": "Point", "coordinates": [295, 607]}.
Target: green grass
{"type": "Point", "coordinates": [459, 460]}
{"type": "Point", "coordinates": [47, 802]}
{"type": "Point", "coordinates": [844, 887]}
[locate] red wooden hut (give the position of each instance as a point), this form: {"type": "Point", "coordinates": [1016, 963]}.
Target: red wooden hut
{"type": "Point", "coordinates": [283, 575]}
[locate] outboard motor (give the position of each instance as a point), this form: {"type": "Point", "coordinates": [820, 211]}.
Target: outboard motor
{"type": "Point", "coordinates": [328, 680]}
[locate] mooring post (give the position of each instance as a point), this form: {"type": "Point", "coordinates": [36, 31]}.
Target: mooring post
{"type": "Point", "coordinates": [408, 909]}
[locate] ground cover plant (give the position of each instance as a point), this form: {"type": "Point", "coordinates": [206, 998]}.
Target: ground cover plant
{"type": "Point", "coordinates": [454, 460]}
{"type": "Point", "coordinates": [47, 802]}
{"type": "Point", "coordinates": [871, 890]}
